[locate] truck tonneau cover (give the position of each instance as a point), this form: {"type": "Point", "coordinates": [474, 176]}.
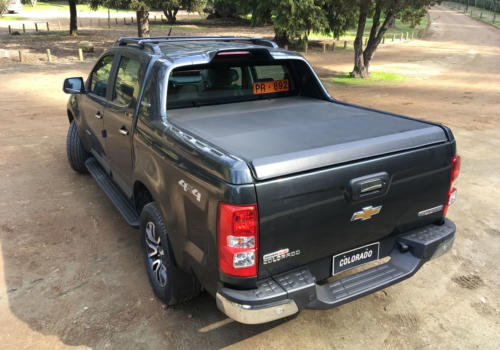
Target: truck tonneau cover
{"type": "Point", "coordinates": [277, 137]}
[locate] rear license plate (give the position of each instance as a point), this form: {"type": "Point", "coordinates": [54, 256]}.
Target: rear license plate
{"type": "Point", "coordinates": [356, 257]}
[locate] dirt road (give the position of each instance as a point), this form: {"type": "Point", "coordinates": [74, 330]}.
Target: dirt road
{"type": "Point", "coordinates": [71, 273]}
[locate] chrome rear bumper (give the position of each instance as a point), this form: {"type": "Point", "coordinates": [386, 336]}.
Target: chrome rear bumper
{"type": "Point", "coordinates": [285, 294]}
{"type": "Point", "coordinates": [250, 314]}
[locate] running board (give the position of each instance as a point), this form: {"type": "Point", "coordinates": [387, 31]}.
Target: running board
{"type": "Point", "coordinates": [121, 202]}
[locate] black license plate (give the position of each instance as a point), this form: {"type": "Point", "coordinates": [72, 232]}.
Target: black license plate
{"type": "Point", "coordinates": [356, 257]}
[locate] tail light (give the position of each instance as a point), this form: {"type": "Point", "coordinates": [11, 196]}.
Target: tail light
{"type": "Point", "coordinates": [452, 191]}
{"type": "Point", "coordinates": [238, 238]}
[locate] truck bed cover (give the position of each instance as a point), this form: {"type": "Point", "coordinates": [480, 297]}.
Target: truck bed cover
{"type": "Point", "coordinates": [277, 137]}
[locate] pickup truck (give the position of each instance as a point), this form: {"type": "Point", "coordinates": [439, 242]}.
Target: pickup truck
{"type": "Point", "coordinates": [248, 180]}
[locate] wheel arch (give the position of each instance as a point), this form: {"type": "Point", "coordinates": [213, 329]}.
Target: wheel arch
{"type": "Point", "coordinates": [141, 195]}
{"type": "Point", "coordinates": [70, 115]}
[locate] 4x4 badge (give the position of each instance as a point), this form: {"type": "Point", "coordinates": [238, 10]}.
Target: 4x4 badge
{"type": "Point", "coordinates": [366, 213]}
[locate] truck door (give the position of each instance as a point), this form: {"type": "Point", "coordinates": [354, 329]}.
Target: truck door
{"type": "Point", "coordinates": [120, 117]}
{"type": "Point", "coordinates": [94, 104]}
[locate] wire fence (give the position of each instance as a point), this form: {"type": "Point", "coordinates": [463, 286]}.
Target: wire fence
{"type": "Point", "coordinates": [486, 10]}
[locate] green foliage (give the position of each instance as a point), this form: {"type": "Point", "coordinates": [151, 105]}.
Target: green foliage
{"type": "Point", "coordinates": [341, 16]}
{"type": "Point", "coordinates": [260, 10]}
{"type": "Point", "coordinates": [375, 78]}
{"type": "Point", "coordinates": [412, 16]}
{"type": "Point", "coordinates": [295, 19]}
{"type": "Point", "coordinates": [226, 8]}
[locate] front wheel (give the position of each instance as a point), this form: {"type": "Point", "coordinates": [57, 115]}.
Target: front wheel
{"type": "Point", "coordinates": [77, 155]}
{"type": "Point", "coordinates": [169, 283]}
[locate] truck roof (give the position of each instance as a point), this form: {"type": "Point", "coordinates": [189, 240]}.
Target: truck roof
{"type": "Point", "coordinates": [174, 47]}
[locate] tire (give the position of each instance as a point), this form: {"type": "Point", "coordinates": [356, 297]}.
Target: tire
{"type": "Point", "coordinates": [169, 283]}
{"type": "Point", "coordinates": [77, 155]}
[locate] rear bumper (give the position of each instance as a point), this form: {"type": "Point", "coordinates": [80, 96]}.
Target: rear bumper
{"type": "Point", "coordinates": [285, 294]}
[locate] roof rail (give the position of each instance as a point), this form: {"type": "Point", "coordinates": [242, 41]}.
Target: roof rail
{"type": "Point", "coordinates": [152, 42]}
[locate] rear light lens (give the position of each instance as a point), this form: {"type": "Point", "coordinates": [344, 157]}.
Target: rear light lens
{"type": "Point", "coordinates": [238, 239]}
{"type": "Point", "coordinates": [452, 191]}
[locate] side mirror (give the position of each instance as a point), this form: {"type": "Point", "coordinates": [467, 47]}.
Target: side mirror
{"type": "Point", "coordinates": [74, 86]}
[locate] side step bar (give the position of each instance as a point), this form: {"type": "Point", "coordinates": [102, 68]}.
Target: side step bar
{"type": "Point", "coordinates": [121, 202]}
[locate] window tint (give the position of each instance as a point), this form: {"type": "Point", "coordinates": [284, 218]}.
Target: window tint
{"type": "Point", "coordinates": [222, 83]}
{"type": "Point", "coordinates": [100, 76]}
{"type": "Point", "coordinates": [127, 81]}
{"type": "Point", "coordinates": [268, 73]}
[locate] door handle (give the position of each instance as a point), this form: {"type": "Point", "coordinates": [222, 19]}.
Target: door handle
{"type": "Point", "coordinates": [369, 186]}
{"type": "Point", "coordinates": [98, 115]}
{"type": "Point", "coordinates": [123, 131]}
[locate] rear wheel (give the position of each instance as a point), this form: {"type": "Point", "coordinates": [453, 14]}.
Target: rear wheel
{"type": "Point", "coordinates": [77, 155]}
{"type": "Point", "coordinates": [169, 283]}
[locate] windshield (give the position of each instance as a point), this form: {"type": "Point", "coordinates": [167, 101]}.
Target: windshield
{"type": "Point", "coordinates": [223, 83]}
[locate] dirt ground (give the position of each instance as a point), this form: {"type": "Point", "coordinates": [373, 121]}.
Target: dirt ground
{"type": "Point", "coordinates": [71, 273]}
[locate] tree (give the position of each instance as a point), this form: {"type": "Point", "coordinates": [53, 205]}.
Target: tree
{"type": "Point", "coordinates": [341, 15]}
{"type": "Point", "coordinates": [73, 26]}
{"type": "Point", "coordinates": [412, 10]}
{"type": "Point", "coordinates": [141, 8]}
{"type": "Point", "coordinates": [224, 8]}
{"type": "Point", "coordinates": [171, 7]}
{"type": "Point", "coordinates": [295, 19]}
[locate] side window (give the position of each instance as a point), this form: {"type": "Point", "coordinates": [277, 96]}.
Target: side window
{"type": "Point", "coordinates": [127, 82]}
{"type": "Point", "coordinates": [100, 76]}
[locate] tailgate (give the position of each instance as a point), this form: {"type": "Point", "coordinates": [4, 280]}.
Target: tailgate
{"type": "Point", "coordinates": [310, 214]}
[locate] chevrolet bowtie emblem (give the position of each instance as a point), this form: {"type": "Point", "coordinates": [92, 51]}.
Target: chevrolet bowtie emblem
{"type": "Point", "coordinates": [366, 213]}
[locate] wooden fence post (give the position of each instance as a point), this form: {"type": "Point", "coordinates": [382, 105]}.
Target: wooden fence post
{"type": "Point", "coordinates": [24, 29]}
{"type": "Point", "coordinates": [21, 56]}
{"type": "Point", "coordinates": [306, 47]}
{"type": "Point", "coordinates": [155, 18]}
{"type": "Point", "coordinates": [80, 54]}
{"type": "Point", "coordinates": [124, 20]}
{"type": "Point", "coordinates": [333, 46]}
{"type": "Point", "coordinates": [36, 27]}
{"type": "Point", "coordinates": [132, 20]}
{"type": "Point", "coordinates": [10, 30]}
{"type": "Point", "coordinates": [393, 37]}
{"type": "Point", "coordinates": [116, 20]}
{"type": "Point", "coordinates": [383, 39]}
{"type": "Point", "coordinates": [48, 28]}
{"type": "Point", "coordinates": [324, 47]}
{"type": "Point", "coordinates": [49, 56]}
{"type": "Point", "coordinates": [345, 44]}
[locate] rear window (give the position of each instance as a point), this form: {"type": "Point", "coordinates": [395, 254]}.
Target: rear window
{"type": "Point", "coordinates": [226, 82]}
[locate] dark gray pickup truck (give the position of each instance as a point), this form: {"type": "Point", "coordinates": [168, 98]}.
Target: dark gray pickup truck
{"type": "Point", "coordinates": [248, 180]}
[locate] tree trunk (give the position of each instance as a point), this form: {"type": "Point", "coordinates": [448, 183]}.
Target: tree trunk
{"type": "Point", "coordinates": [73, 27]}
{"type": "Point", "coordinates": [142, 23]}
{"type": "Point", "coordinates": [376, 36]}
{"type": "Point", "coordinates": [171, 15]}
{"type": "Point", "coordinates": [359, 70]}
{"type": "Point", "coordinates": [281, 39]}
